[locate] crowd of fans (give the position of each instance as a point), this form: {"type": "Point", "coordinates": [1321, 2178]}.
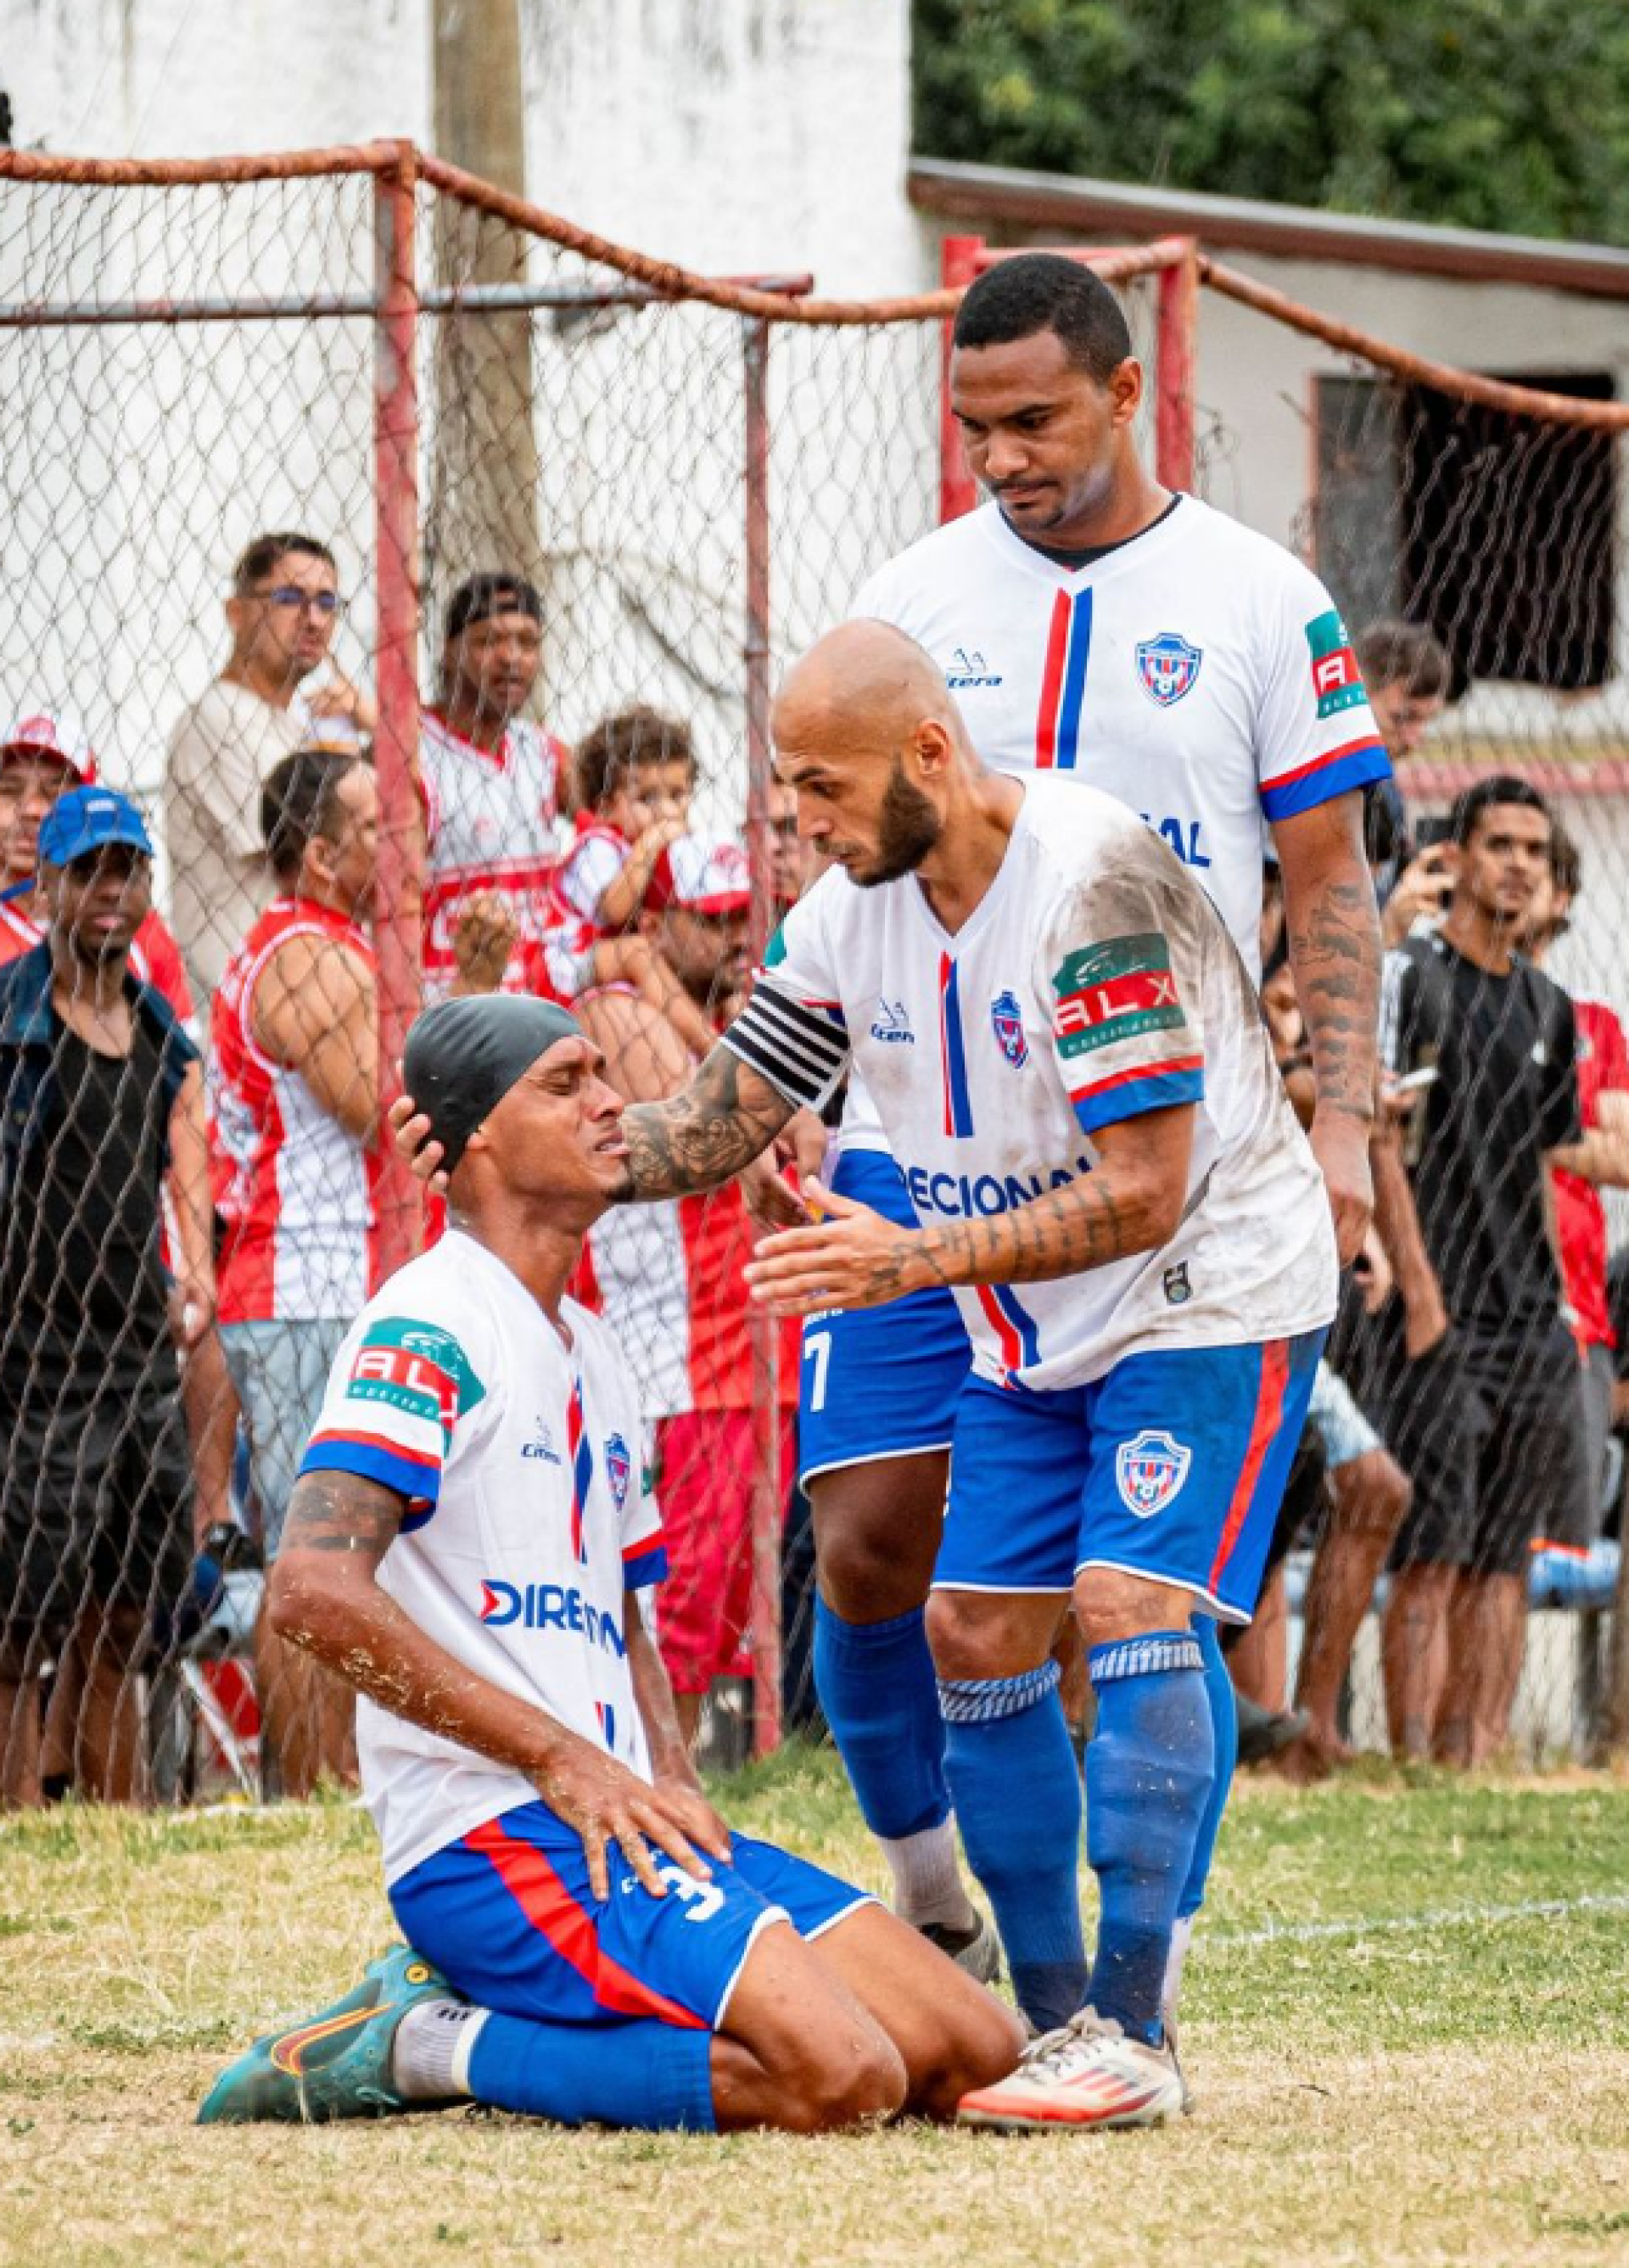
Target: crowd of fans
{"type": "Point", "coordinates": [190, 1150]}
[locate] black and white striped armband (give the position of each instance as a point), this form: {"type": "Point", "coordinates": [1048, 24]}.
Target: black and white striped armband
{"type": "Point", "coordinates": [801, 1049]}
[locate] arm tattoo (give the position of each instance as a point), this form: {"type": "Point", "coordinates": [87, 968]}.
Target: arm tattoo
{"type": "Point", "coordinates": [719, 1122]}
{"type": "Point", "coordinates": [1334, 941]}
{"type": "Point", "coordinates": [341, 1511]}
{"type": "Point", "coordinates": [1086, 1225]}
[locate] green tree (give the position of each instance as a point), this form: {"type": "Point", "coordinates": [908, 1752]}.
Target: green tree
{"type": "Point", "coordinates": [1487, 114]}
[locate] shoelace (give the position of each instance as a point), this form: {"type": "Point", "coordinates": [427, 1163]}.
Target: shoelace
{"type": "Point", "coordinates": [1054, 2050]}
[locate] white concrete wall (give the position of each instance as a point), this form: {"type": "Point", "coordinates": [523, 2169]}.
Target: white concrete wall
{"type": "Point", "coordinates": [173, 78]}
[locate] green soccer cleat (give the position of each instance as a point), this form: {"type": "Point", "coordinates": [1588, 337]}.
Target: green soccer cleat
{"type": "Point", "coordinates": [337, 2065]}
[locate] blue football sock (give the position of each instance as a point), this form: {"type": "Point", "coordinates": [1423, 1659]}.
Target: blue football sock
{"type": "Point", "coordinates": [643, 2073]}
{"type": "Point", "coordinates": [876, 1685]}
{"type": "Point", "coordinates": [1011, 1771]}
{"type": "Point", "coordinates": [1224, 1759]}
{"type": "Point", "coordinates": [1147, 1776]}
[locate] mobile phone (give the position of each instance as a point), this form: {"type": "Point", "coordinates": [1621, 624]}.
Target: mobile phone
{"type": "Point", "coordinates": [1432, 832]}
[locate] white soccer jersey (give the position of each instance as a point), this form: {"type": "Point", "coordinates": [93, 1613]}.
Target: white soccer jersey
{"type": "Point", "coordinates": [1199, 673]}
{"type": "Point", "coordinates": [493, 824]}
{"type": "Point", "coordinates": [1093, 983]}
{"type": "Point", "coordinates": [528, 1520]}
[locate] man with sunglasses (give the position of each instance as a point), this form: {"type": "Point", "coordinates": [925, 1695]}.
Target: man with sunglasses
{"type": "Point", "coordinates": [283, 611]}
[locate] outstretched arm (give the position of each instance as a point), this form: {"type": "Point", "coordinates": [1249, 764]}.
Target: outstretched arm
{"type": "Point", "coordinates": [719, 1122]}
{"type": "Point", "coordinates": [1131, 1202]}
{"type": "Point", "coordinates": [1334, 942]}
{"type": "Point", "coordinates": [322, 1595]}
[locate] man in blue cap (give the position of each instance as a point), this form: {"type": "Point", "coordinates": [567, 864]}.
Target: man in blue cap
{"type": "Point", "coordinates": [101, 1111]}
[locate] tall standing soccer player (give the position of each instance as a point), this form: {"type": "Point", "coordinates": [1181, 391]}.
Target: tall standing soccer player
{"type": "Point", "coordinates": [1090, 624]}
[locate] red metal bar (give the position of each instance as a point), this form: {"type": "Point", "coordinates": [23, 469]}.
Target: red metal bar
{"type": "Point", "coordinates": [1175, 355]}
{"type": "Point", "coordinates": [768, 1505]}
{"type": "Point", "coordinates": [961, 258]}
{"type": "Point", "coordinates": [395, 742]}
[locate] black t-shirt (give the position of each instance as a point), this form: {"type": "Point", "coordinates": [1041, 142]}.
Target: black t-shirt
{"type": "Point", "coordinates": [80, 1275]}
{"type": "Point", "coordinates": [1506, 1091]}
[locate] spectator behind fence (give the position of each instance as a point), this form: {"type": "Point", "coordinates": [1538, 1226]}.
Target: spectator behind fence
{"type": "Point", "coordinates": [1599, 1160]}
{"type": "Point", "coordinates": [101, 1110]}
{"type": "Point", "coordinates": [44, 754]}
{"type": "Point", "coordinates": [294, 1102]}
{"type": "Point", "coordinates": [1475, 1375]}
{"type": "Point", "coordinates": [668, 1277]}
{"type": "Point", "coordinates": [1409, 674]}
{"type": "Point", "coordinates": [634, 775]}
{"type": "Point", "coordinates": [490, 778]}
{"type": "Point", "coordinates": [283, 611]}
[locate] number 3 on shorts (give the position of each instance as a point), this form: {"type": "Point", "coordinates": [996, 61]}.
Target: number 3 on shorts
{"type": "Point", "coordinates": [817, 1349]}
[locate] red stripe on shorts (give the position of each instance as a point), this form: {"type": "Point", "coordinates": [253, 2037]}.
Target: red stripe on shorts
{"type": "Point", "coordinates": [1275, 1371]}
{"type": "Point", "coordinates": [549, 1905]}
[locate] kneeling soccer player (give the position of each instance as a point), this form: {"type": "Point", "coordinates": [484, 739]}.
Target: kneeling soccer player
{"type": "Point", "coordinates": [466, 1545]}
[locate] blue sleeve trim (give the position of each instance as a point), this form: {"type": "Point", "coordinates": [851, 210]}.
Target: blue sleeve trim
{"type": "Point", "coordinates": [1363, 767]}
{"type": "Point", "coordinates": [1167, 1091]}
{"type": "Point", "coordinates": [409, 1479]}
{"type": "Point", "coordinates": [647, 1567]}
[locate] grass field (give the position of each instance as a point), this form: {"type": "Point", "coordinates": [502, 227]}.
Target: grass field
{"type": "Point", "coordinates": [1374, 2087]}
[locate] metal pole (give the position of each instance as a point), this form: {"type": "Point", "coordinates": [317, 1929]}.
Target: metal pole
{"type": "Point", "coordinates": [395, 743]}
{"type": "Point", "coordinates": [768, 1506]}
{"type": "Point", "coordinates": [1177, 332]}
{"type": "Point", "coordinates": [961, 258]}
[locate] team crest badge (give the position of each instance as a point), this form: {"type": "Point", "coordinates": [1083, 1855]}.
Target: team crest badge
{"type": "Point", "coordinates": [618, 1467]}
{"type": "Point", "coordinates": [1008, 1019]}
{"type": "Point", "coordinates": [1149, 1471]}
{"type": "Point", "coordinates": [1169, 667]}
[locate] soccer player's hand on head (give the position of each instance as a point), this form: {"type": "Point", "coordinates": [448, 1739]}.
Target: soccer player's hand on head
{"type": "Point", "coordinates": [415, 1146]}
{"type": "Point", "coordinates": [606, 1803]}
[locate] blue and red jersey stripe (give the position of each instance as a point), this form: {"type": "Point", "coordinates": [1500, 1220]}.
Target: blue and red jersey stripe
{"type": "Point", "coordinates": [1016, 1336]}
{"type": "Point", "coordinates": [1062, 682]}
{"type": "Point", "coordinates": [1145, 1087]}
{"type": "Point", "coordinates": [953, 1054]}
{"type": "Point", "coordinates": [1355, 763]}
{"type": "Point", "coordinates": [581, 1456]}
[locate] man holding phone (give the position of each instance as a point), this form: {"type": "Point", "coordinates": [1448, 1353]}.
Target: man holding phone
{"type": "Point", "coordinates": [1409, 674]}
{"type": "Point", "coordinates": [1483, 1411]}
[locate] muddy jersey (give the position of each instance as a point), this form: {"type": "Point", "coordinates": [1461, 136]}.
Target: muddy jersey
{"type": "Point", "coordinates": [1093, 982]}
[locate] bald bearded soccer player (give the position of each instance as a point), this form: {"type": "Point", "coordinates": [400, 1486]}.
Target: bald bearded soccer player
{"type": "Point", "coordinates": [1108, 1178]}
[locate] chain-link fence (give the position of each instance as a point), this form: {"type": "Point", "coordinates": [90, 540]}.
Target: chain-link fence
{"type": "Point", "coordinates": [545, 519]}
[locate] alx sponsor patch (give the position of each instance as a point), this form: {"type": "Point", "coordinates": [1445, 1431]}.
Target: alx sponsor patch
{"type": "Point", "coordinates": [1120, 990]}
{"type": "Point", "coordinates": [1336, 678]}
{"type": "Point", "coordinates": [416, 1369]}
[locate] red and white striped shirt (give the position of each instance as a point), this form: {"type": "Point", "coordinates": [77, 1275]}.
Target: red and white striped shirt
{"type": "Point", "coordinates": [493, 824]}
{"type": "Point", "coordinates": [297, 1194]}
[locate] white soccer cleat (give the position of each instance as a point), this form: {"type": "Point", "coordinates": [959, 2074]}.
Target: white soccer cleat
{"type": "Point", "coordinates": [1087, 2075]}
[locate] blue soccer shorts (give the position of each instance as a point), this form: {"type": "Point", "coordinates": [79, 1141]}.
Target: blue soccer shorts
{"type": "Point", "coordinates": [507, 1915]}
{"type": "Point", "coordinates": [878, 1381]}
{"type": "Point", "coordinates": [1172, 1467]}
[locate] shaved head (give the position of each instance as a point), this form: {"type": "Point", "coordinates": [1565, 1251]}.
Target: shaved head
{"type": "Point", "coordinates": [865, 683]}
{"type": "Point", "coordinates": [868, 736]}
